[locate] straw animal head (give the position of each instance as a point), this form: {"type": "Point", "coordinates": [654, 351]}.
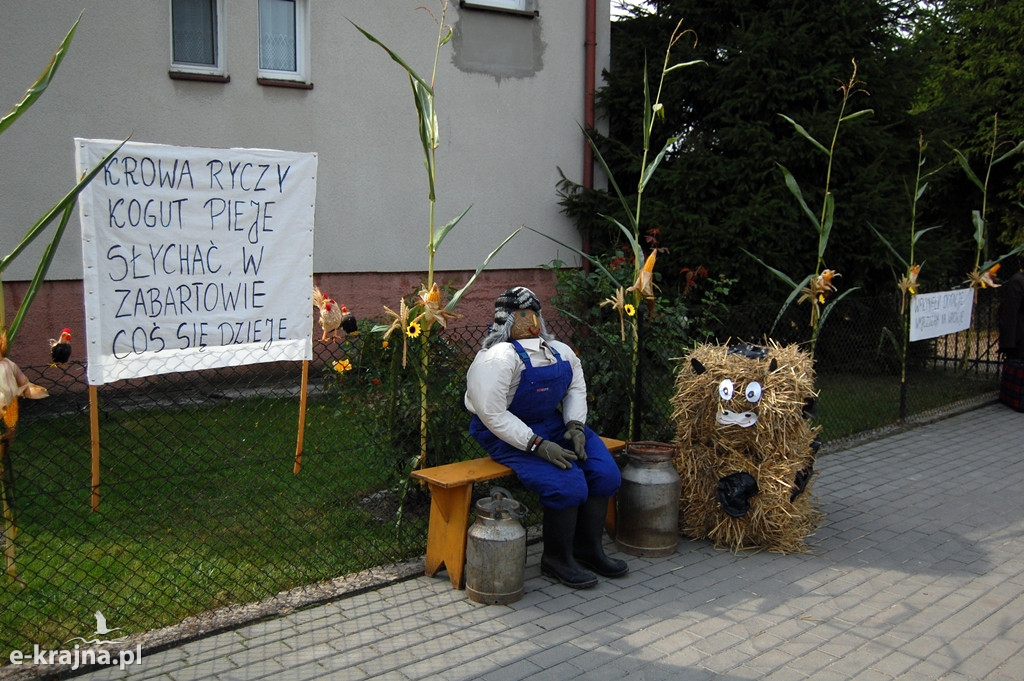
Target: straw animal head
{"type": "Point", "coordinates": [746, 446]}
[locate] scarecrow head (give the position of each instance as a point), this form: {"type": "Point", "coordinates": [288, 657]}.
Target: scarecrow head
{"type": "Point", "coordinates": [517, 316]}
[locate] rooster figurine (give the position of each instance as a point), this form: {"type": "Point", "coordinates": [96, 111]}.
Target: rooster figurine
{"type": "Point", "coordinates": [330, 313]}
{"type": "Point", "coordinates": [348, 321]}
{"type": "Point", "coordinates": [60, 349]}
{"type": "Point", "coordinates": [333, 316]}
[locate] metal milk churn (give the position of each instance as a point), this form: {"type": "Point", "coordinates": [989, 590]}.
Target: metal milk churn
{"type": "Point", "coordinates": [496, 550]}
{"type": "Point", "coordinates": [647, 503]}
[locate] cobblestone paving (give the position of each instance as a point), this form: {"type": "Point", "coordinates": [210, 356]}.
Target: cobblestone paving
{"type": "Point", "coordinates": [917, 574]}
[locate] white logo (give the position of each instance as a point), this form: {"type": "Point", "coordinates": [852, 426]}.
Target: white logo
{"type": "Point", "coordinates": [102, 629]}
{"type": "Point", "coordinates": [78, 657]}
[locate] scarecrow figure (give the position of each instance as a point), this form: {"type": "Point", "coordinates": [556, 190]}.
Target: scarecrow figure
{"type": "Point", "coordinates": [528, 397]}
{"type": "Point", "coordinates": [746, 446]}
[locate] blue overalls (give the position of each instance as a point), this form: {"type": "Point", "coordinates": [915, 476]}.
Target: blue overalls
{"type": "Point", "coordinates": [536, 402]}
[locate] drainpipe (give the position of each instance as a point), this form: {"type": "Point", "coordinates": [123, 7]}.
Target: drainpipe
{"type": "Point", "coordinates": [589, 89]}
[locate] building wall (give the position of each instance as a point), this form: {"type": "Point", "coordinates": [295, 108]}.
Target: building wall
{"type": "Point", "coordinates": [509, 97]}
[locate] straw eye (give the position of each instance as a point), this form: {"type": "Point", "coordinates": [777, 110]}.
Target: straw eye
{"type": "Point", "coordinates": [753, 392]}
{"type": "Point", "coordinates": [725, 389]}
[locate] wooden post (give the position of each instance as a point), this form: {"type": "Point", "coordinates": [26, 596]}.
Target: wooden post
{"type": "Point", "coordinates": [302, 417]}
{"type": "Point", "coordinates": [94, 428]}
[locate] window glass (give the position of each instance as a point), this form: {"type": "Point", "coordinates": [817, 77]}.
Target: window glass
{"type": "Point", "coordinates": [194, 32]}
{"type": "Point", "coordinates": [278, 36]}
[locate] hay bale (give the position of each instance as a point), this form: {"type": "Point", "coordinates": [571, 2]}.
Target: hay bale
{"type": "Point", "coordinates": [727, 441]}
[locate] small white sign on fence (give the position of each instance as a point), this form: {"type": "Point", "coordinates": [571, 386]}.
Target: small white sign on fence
{"type": "Point", "coordinates": [936, 314]}
{"type": "Point", "coordinates": [195, 258]}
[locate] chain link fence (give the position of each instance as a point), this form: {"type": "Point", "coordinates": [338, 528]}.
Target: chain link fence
{"type": "Point", "coordinates": [196, 494]}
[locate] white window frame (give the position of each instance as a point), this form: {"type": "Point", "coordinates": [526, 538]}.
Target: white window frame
{"type": "Point", "coordinates": [215, 70]}
{"type": "Point", "coordinates": [522, 7]}
{"type": "Point", "coordinates": [302, 49]}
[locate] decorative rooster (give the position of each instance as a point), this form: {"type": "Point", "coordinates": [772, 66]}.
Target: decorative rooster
{"type": "Point", "coordinates": [330, 313]}
{"type": "Point", "coordinates": [60, 349]}
{"type": "Point", "coordinates": [333, 315]}
{"type": "Point", "coordinates": [348, 321]}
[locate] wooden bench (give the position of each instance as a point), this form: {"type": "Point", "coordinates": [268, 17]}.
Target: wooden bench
{"type": "Point", "coordinates": [451, 491]}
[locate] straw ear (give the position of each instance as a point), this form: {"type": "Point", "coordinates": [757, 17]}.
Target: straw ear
{"type": "Point", "coordinates": [810, 408]}
{"type": "Point", "coordinates": [698, 368]}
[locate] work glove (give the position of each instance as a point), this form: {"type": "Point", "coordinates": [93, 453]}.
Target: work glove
{"type": "Point", "coordinates": [575, 432]}
{"type": "Point", "coordinates": [552, 453]}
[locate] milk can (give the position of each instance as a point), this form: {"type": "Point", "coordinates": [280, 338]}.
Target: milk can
{"type": "Point", "coordinates": [496, 550]}
{"type": "Point", "coordinates": [647, 512]}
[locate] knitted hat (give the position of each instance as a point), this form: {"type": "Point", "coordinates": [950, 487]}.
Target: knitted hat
{"type": "Point", "coordinates": [505, 307]}
{"type": "Point", "coordinates": [516, 298]}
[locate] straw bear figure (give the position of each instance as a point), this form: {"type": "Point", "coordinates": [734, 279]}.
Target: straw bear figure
{"type": "Point", "coordinates": [746, 446]}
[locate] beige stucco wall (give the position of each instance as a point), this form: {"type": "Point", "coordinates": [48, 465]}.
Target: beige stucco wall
{"type": "Point", "coordinates": [505, 129]}
{"type": "Point", "coordinates": [509, 99]}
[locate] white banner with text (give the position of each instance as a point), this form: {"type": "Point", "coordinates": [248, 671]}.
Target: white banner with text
{"type": "Point", "coordinates": [937, 314]}
{"type": "Point", "coordinates": [195, 258]}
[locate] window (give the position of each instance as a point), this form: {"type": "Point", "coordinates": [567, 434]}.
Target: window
{"type": "Point", "coordinates": [524, 7]}
{"type": "Point", "coordinates": [284, 41]}
{"type": "Point", "coordinates": [197, 37]}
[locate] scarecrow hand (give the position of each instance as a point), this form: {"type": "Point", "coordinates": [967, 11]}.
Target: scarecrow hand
{"type": "Point", "coordinates": [554, 454]}
{"type": "Point", "coordinates": [575, 432]}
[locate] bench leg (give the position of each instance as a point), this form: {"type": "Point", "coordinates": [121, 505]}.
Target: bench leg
{"type": "Point", "coordinates": [446, 534]}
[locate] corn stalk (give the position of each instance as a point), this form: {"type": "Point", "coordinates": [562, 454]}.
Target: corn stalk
{"type": "Point", "coordinates": [63, 210]}
{"type": "Point", "coordinates": [627, 301]}
{"type": "Point", "coordinates": [419, 320]}
{"type": "Point", "coordinates": [817, 287]}
{"type": "Point", "coordinates": [907, 282]}
{"type": "Point", "coordinates": [984, 272]}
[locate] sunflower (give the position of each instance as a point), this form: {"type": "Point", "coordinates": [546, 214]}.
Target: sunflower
{"type": "Point", "coordinates": [413, 330]}
{"type": "Point", "coordinates": [342, 365]}
{"type": "Point", "coordinates": [629, 310]}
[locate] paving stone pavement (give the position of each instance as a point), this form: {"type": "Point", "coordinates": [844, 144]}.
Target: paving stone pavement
{"type": "Point", "coordinates": [916, 574]}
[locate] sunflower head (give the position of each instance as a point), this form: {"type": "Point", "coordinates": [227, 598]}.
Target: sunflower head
{"type": "Point", "coordinates": [413, 330]}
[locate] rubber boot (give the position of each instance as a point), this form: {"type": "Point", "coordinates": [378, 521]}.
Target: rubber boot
{"type": "Point", "coordinates": [588, 547]}
{"type": "Point", "coordinates": [556, 561]}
